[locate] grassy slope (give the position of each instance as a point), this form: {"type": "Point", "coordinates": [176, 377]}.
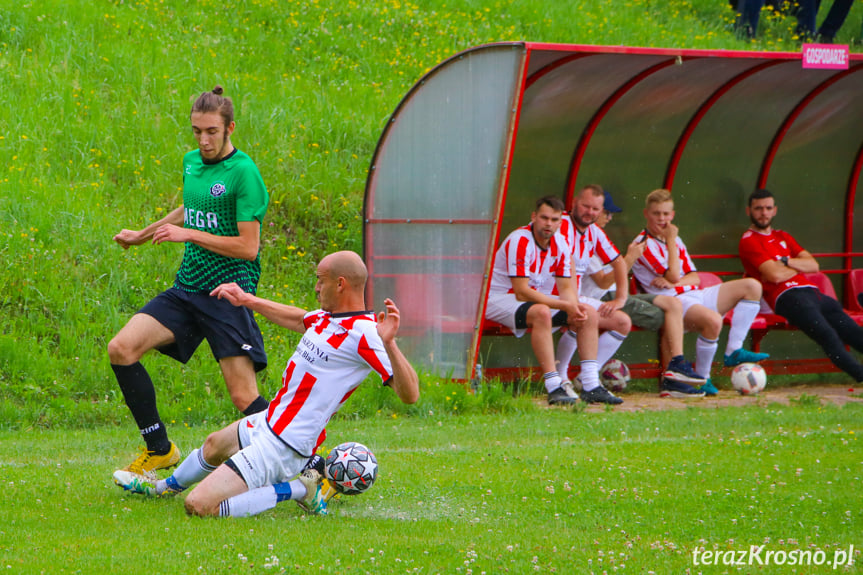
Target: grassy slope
{"type": "Point", "coordinates": [94, 100]}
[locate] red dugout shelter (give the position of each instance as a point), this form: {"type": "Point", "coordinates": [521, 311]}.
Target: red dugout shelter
{"type": "Point", "coordinates": [482, 135]}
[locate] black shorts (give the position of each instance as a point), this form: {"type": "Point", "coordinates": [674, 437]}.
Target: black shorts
{"type": "Point", "coordinates": [557, 320]}
{"type": "Point", "coordinates": [193, 317]}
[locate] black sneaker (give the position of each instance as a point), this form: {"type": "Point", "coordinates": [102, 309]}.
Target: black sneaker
{"type": "Point", "coordinates": [559, 396]}
{"type": "Point", "coordinates": [671, 388]}
{"type": "Point", "coordinates": [600, 395]}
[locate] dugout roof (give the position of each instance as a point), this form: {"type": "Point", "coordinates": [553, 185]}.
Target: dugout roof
{"type": "Point", "coordinates": [486, 132]}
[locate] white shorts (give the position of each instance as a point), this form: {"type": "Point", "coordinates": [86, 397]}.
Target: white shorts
{"type": "Point", "coordinates": [263, 458]}
{"type": "Point", "coordinates": [591, 301]}
{"type": "Point", "coordinates": [503, 307]}
{"type": "Point", "coordinates": [706, 297]}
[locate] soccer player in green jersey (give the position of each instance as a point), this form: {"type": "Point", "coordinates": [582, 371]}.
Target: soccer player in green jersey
{"type": "Point", "coordinates": [224, 203]}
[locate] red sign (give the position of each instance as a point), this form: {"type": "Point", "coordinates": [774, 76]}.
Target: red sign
{"type": "Point", "coordinates": [825, 56]}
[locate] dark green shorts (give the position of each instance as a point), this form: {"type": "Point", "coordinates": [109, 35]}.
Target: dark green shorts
{"type": "Point", "coordinates": [641, 310]}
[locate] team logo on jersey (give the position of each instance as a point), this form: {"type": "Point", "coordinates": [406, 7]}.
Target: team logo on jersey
{"type": "Point", "coordinates": [218, 189]}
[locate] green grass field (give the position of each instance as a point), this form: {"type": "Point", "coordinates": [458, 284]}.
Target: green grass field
{"type": "Point", "coordinates": [94, 104]}
{"type": "Point", "coordinates": [533, 492]}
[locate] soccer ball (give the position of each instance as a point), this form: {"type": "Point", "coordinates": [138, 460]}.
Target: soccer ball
{"type": "Point", "coordinates": [748, 378]}
{"type": "Point", "coordinates": [351, 468]}
{"type": "Point", "coordinates": [614, 375]}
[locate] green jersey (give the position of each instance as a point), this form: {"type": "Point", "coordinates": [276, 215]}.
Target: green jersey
{"type": "Point", "coordinates": [215, 198]}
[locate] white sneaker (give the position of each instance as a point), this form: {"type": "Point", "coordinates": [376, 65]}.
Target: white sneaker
{"type": "Point", "coordinates": [570, 390]}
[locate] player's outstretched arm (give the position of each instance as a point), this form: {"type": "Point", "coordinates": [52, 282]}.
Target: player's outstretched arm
{"type": "Point", "coordinates": [127, 238]}
{"type": "Point", "coordinates": [405, 381]}
{"type": "Point", "coordinates": [287, 316]}
{"type": "Point", "coordinates": [244, 246]}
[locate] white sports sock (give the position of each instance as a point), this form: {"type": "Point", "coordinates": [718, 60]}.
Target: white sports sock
{"type": "Point", "coordinates": [705, 349]}
{"type": "Point", "coordinates": [193, 469]}
{"type": "Point", "coordinates": [744, 314]}
{"type": "Point", "coordinates": [565, 350]}
{"type": "Point", "coordinates": [608, 344]}
{"type": "Point", "coordinates": [589, 374]}
{"type": "Point", "coordinates": [249, 503]}
{"type": "Point", "coordinates": [552, 381]}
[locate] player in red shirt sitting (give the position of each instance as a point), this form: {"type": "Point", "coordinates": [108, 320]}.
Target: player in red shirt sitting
{"type": "Point", "coordinates": [774, 258]}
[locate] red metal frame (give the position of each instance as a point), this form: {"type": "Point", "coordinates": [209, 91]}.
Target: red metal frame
{"type": "Point", "coordinates": [790, 119]}
{"type": "Point", "coordinates": [593, 124]}
{"type": "Point", "coordinates": [473, 355]}
{"type": "Point", "coordinates": [680, 146]}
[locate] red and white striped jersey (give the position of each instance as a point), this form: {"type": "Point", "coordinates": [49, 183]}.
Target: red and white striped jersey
{"type": "Point", "coordinates": [654, 263]}
{"type": "Point", "coordinates": [520, 257]}
{"type": "Point", "coordinates": [592, 241]}
{"type": "Point", "coordinates": [334, 356]}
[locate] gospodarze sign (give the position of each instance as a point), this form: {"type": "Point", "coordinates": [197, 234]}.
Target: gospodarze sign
{"type": "Point", "coordinates": [825, 56]}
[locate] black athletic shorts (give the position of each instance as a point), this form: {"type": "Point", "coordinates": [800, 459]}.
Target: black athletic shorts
{"type": "Point", "coordinates": [193, 317]}
{"type": "Point", "coordinates": [557, 320]}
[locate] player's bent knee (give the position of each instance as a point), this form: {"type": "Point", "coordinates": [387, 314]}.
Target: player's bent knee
{"type": "Point", "coordinates": [199, 506]}
{"type": "Point", "coordinates": [753, 288]}
{"type": "Point", "coordinates": [539, 314]}
{"type": "Point", "coordinates": [120, 353]}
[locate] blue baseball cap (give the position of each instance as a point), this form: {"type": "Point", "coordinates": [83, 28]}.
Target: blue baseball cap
{"type": "Point", "coordinates": [609, 205]}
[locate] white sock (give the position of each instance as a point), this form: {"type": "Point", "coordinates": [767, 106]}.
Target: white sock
{"type": "Point", "coordinates": [565, 350]}
{"type": "Point", "coordinates": [552, 381]}
{"type": "Point", "coordinates": [608, 344]}
{"type": "Point", "coordinates": [249, 503]}
{"type": "Point", "coordinates": [744, 314]}
{"type": "Point", "coordinates": [589, 374]}
{"type": "Point", "coordinates": [193, 469]}
{"type": "Point", "coordinates": [705, 349]}
{"type": "Point", "coordinates": [261, 499]}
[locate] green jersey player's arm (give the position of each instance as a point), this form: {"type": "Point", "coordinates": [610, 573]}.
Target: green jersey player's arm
{"type": "Point", "coordinates": [128, 238]}
{"type": "Point", "coordinates": [287, 316]}
{"type": "Point", "coordinates": [244, 246]}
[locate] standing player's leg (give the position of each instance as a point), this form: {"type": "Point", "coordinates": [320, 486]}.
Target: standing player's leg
{"type": "Point", "coordinates": [744, 297]}
{"type": "Point", "coordinates": [141, 334]}
{"type": "Point", "coordinates": [236, 342]}
{"type": "Point", "coordinates": [239, 374]}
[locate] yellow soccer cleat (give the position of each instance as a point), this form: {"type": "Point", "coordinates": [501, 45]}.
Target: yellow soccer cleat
{"type": "Point", "coordinates": [148, 462]}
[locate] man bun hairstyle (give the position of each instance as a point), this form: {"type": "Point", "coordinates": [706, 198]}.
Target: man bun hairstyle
{"type": "Point", "coordinates": [213, 101]}
{"type": "Point", "coordinates": [759, 194]}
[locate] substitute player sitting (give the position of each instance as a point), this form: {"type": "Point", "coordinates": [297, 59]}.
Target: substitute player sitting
{"type": "Point", "coordinates": [647, 311]}
{"type": "Point", "coordinates": [252, 464]}
{"type": "Point", "coordinates": [530, 278]}
{"type": "Point", "coordinates": [774, 258]}
{"type": "Point", "coordinates": [587, 240]}
{"type": "Point", "coordinates": [666, 268]}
